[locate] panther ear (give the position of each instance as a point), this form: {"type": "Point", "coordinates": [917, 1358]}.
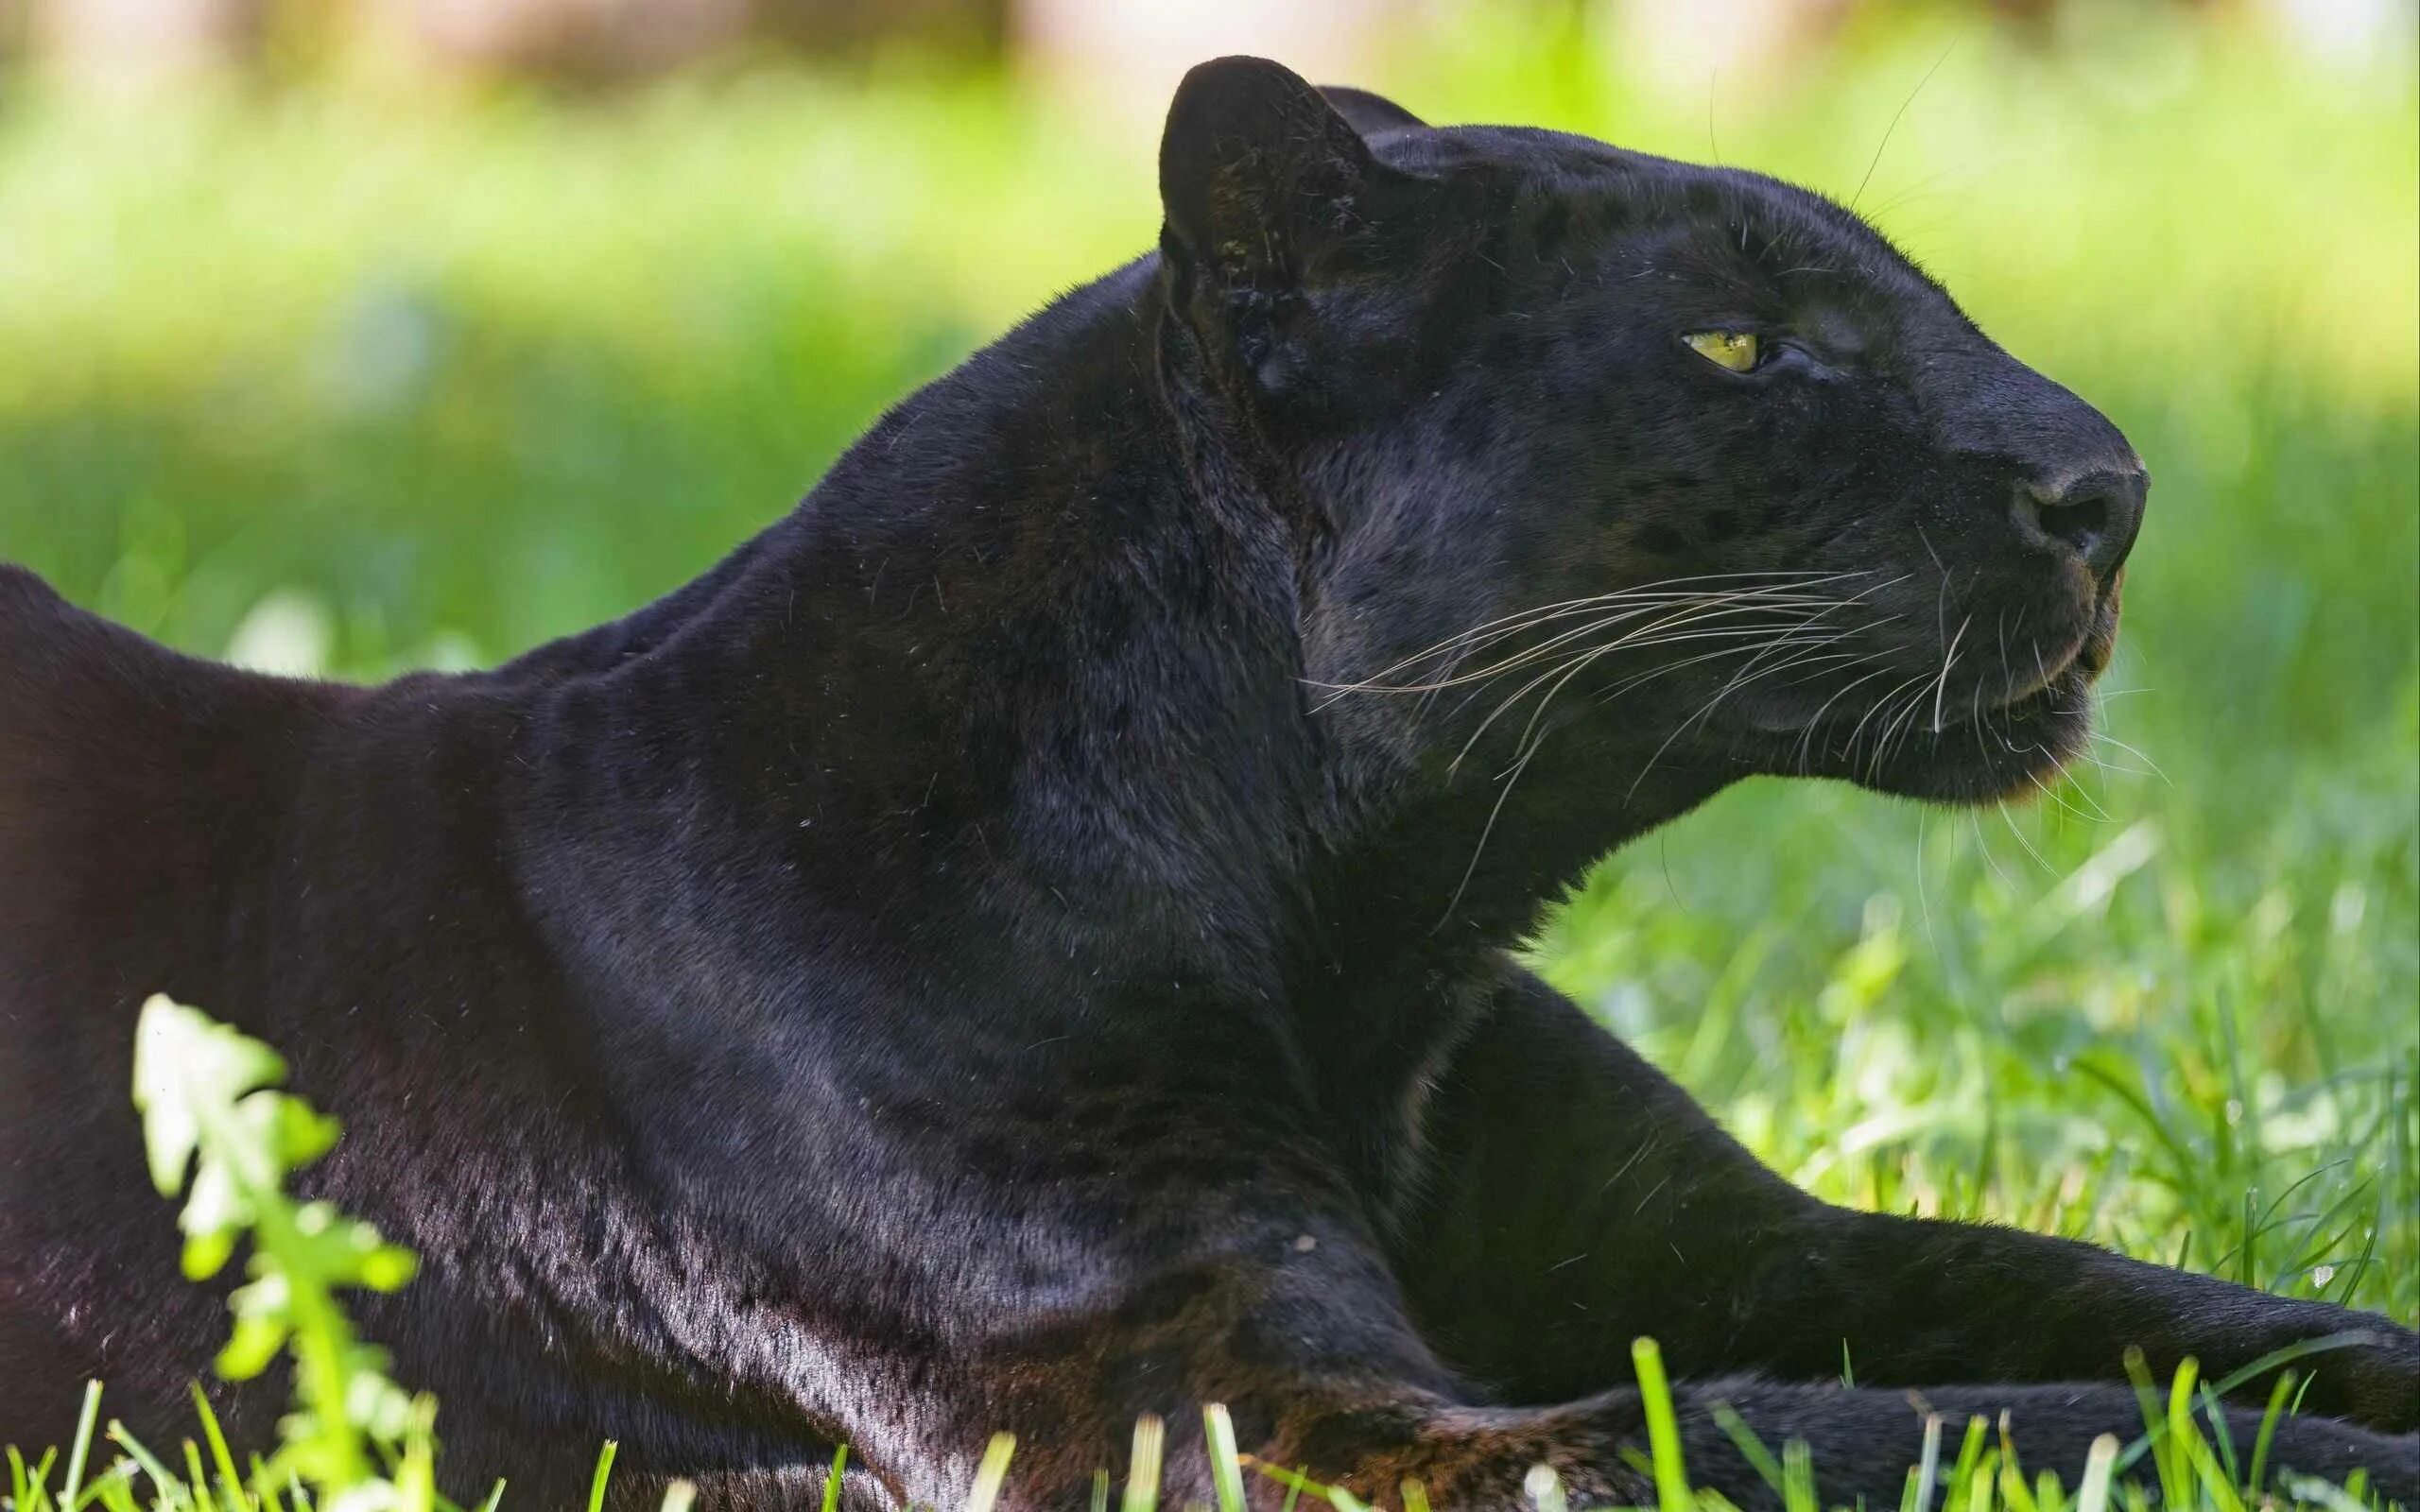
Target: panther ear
{"type": "Point", "coordinates": [1369, 114]}
{"type": "Point", "coordinates": [1256, 171]}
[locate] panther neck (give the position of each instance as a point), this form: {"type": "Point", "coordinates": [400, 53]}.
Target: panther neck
{"type": "Point", "coordinates": [1007, 659]}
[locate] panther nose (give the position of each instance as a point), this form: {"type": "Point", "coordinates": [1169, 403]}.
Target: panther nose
{"type": "Point", "coordinates": [2096, 514]}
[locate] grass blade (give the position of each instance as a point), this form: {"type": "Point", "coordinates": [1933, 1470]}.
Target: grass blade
{"type": "Point", "coordinates": [170, 1494]}
{"type": "Point", "coordinates": [1142, 1468]}
{"type": "Point", "coordinates": [2100, 1463]}
{"type": "Point", "coordinates": [832, 1481]}
{"type": "Point", "coordinates": [85, 1421]}
{"type": "Point", "coordinates": [230, 1484]}
{"type": "Point", "coordinates": [1663, 1429]}
{"type": "Point", "coordinates": [265, 1487]}
{"type": "Point", "coordinates": [2258, 1479]}
{"type": "Point", "coordinates": [2175, 1460]}
{"type": "Point", "coordinates": [1752, 1448]}
{"type": "Point", "coordinates": [1226, 1475]}
{"type": "Point", "coordinates": [604, 1473]}
{"type": "Point", "coordinates": [991, 1474]}
{"type": "Point", "coordinates": [1962, 1474]}
{"type": "Point", "coordinates": [1927, 1473]}
{"type": "Point", "coordinates": [24, 1493]}
{"type": "Point", "coordinates": [2221, 1437]}
{"type": "Point", "coordinates": [196, 1480]}
{"type": "Point", "coordinates": [1798, 1477]}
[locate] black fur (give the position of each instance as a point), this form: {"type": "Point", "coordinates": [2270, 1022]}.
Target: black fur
{"type": "Point", "coordinates": [987, 957]}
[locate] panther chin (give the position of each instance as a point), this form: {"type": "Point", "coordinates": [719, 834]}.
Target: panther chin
{"type": "Point", "coordinates": [1995, 734]}
{"type": "Point", "coordinates": [2014, 751]}
{"type": "Point", "coordinates": [1979, 754]}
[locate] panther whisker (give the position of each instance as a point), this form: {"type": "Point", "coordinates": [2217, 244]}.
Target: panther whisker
{"type": "Point", "coordinates": [2098, 816]}
{"type": "Point", "coordinates": [1795, 661]}
{"type": "Point", "coordinates": [2011, 821]}
{"type": "Point", "coordinates": [1532, 740]}
{"type": "Point", "coordinates": [1744, 600]}
{"type": "Point", "coordinates": [1657, 588]}
{"type": "Point", "coordinates": [1888, 712]}
{"type": "Point", "coordinates": [1528, 749]}
{"type": "Point", "coordinates": [1749, 671]}
{"type": "Point", "coordinates": [1902, 725]}
{"type": "Point", "coordinates": [1658, 591]}
{"type": "Point", "coordinates": [1948, 661]}
{"type": "Point", "coordinates": [1736, 683]}
{"type": "Point", "coordinates": [1517, 659]}
{"type": "Point", "coordinates": [1622, 687]}
{"type": "Point", "coordinates": [1806, 739]}
{"type": "Point", "coordinates": [1975, 823]}
{"type": "Point", "coordinates": [2151, 767]}
{"type": "Point", "coordinates": [1638, 640]}
{"type": "Point", "coordinates": [1657, 633]}
{"type": "Point", "coordinates": [1563, 671]}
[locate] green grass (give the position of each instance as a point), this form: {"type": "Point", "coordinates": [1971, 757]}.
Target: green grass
{"type": "Point", "coordinates": [348, 378]}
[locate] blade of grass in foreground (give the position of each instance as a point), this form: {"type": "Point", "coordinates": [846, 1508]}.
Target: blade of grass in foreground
{"type": "Point", "coordinates": [2100, 1461]}
{"type": "Point", "coordinates": [27, 1487]}
{"type": "Point", "coordinates": [2277, 1409]}
{"type": "Point", "coordinates": [1143, 1467]}
{"type": "Point", "coordinates": [1965, 1473]}
{"type": "Point", "coordinates": [832, 1481]}
{"type": "Point", "coordinates": [1798, 1477]}
{"type": "Point", "coordinates": [991, 1474]}
{"type": "Point", "coordinates": [197, 1482]}
{"type": "Point", "coordinates": [2176, 1476]}
{"type": "Point", "coordinates": [604, 1473]}
{"type": "Point", "coordinates": [1927, 1473]}
{"type": "Point", "coordinates": [1663, 1429]}
{"type": "Point", "coordinates": [169, 1494]}
{"type": "Point", "coordinates": [85, 1422]}
{"type": "Point", "coordinates": [1225, 1473]}
{"type": "Point", "coordinates": [2221, 1437]}
{"type": "Point", "coordinates": [1752, 1448]}
{"type": "Point", "coordinates": [230, 1484]}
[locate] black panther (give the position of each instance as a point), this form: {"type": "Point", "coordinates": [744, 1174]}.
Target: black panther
{"type": "Point", "coordinates": [1020, 944]}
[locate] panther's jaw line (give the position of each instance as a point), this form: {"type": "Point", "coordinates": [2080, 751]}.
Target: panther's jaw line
{"type": "Point", "coordinates": [2046, 677]}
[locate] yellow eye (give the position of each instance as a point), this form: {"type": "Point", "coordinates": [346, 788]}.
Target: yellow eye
{"type": "Point", "coordinates": [1734, 349]}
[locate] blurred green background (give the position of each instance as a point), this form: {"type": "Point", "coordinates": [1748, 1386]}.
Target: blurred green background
{"type": "Point", "coordinates": [338, 352]}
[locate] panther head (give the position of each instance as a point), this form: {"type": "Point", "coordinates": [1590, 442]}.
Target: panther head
{"type": "Point", "coordinates": [1684, 459]}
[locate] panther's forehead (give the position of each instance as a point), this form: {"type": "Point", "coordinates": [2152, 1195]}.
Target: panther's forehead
{"type": "Point", "coordinates": [1570, 198]}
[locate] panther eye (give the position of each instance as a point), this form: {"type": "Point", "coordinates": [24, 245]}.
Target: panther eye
{"type": "Point", "coordinates": [1734, 349]}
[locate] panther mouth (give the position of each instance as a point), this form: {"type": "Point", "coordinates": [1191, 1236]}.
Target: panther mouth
{"type": "Point", "coordinates": [1979, 745]}
{"type": "Point", "coordinates": [2034, 694]}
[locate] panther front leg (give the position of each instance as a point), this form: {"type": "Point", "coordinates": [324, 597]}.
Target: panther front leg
{"type": "Point", "coordinates": [1578, 1199]}
{"type": "Point", "coordinates": [1308, 1347]}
